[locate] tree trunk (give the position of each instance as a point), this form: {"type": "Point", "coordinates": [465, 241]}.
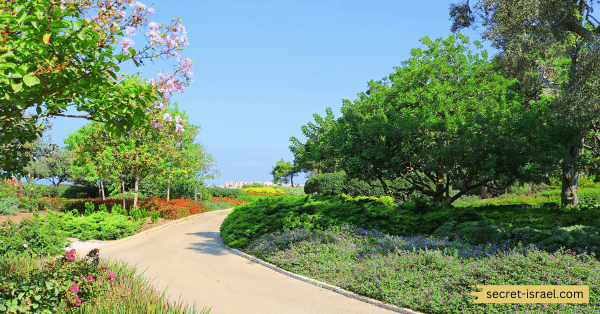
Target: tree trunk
{"type": "Point", "coordinates": [135, 195]}
{"type": "Point", "coordinates": [102, 190]}
{"type": "Point", "coordinates": [123, 184]}
{"type": "Point", "coordinates": [292, 178]}
{"type": "Point", "coordinates": [195, 192]}
{"type": "Point", "coordinates": [168, 189]}
{"type": "Point", "coordinates": [570, 176]}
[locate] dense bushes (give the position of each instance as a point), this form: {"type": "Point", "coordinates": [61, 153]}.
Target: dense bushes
{"type": "Point", "coordinates": [278, 213]}
{"type": "Point", "coordinates": [8, 205]}
{"type": "Point", "coordinates": [32, 237]}
{"type": "Point", "coordinates": [325, 184]}
{"type": "Point", "coordinates": [100, 225]}
{"type": "Point", "coordinates": [548, 237]}
{"type": "Point", "coordinates": [549, 228]}
{"type": "Point", "coordinates": [74, 191]}
{"type": "Point", "coordinates": [224, 192]}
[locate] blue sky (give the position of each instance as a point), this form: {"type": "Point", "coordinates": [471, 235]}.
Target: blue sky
{"type": "Point", "coordinates": [263, 68]}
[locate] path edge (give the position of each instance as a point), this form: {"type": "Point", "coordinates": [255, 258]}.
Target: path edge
{"type": "Point", "coordinates": [321, 284]}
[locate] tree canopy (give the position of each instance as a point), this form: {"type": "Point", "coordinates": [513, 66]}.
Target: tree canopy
{"type": "Point", "coordinates": [552, 47]}
{"type": "Point", "coordinates": [56, 55]}
{"type": "Point", "coordinates": [445, 116]}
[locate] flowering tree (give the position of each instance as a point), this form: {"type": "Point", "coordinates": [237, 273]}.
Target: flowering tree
{"type": "Point", "coordinates": [56, 55]}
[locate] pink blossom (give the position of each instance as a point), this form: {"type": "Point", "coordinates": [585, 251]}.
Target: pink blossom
{"type": "Point", "coordinates": [178, 119]}
{"type": "Point", "coordinates": [110, 276]}
{"type": "Point", "coordinates": [153, 25]}
{"type": "Point", "coordinates": [179, 128]}
{"type": "Point", "coordinates": [78, 302]}
{"type": "Point", "coordinates": [140, 6]}
{"type": "Point", "coordinates": [90, 279]}
{"type": "Point", "coordinates": [74, 288]}
{"type": "Point", "coordinates": [167, 117]}
{"type": "Point", "coordinates": [151, 10]}
{"type": "Point", "coordinates": [71, 255]}
{"type": "Point", "coordinates": [126, 43]}
{"type": "Point", "coordinates": [130, 30]}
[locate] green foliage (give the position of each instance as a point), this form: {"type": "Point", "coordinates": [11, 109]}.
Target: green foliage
{"type": "Point", "coordinates": [548, 237]}
{"type": "Point", "coordinates": [277, 213]}
{"type": "Point", "coordinates": [89, 208]}
{"type": "Point", "coordinates": [118, 209]}
{"type": "Point", "coordinates": [41, 237]}
{"type": "Point", "coordinates": [99, 225]}
{"type": "Point", "coordinates": [205, 194]}
{"type": "Point", "coordinates": [284, 172]}
{"type": "Point", "coordinates": [138, 214]}
{"type": "Point", "coordinates": [224, 192]}
{"type": "Point", "coordinates": [46, 290]}
{"type": "Point", "coordinates": [297, 190]}
{"type": "Point", "coordinates": [76, 191]}
{"type": "Point", "coordinates": [9, 205]}
{"type": "Point", "coordinates": [154, 216]}
{"type": "Point", "coordinates": [103, 208]}
{"type": "Point", "coordinates": [55, 167]}
{"type": "Point", "coordinates": [445, 109]}
{"type": "Point", "coordinates": [325, 184]}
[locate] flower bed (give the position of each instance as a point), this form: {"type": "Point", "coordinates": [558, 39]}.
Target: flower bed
{"type": "Point", "coordinates": [228, 200]}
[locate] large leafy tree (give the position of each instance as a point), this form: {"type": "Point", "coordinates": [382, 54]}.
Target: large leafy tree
{"type": "Point", "coordinates": [56, 55]}
{"type": "Point", "coordinates": [552, 47]}
{"type": "Point", "coordinates": [445, 116]}
{"type": "Point", "coordinates": [317, 154]}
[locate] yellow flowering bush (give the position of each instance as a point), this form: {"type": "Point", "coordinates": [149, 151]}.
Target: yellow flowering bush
{"type": "Point", "coordinates": [263, 190]}
{"type": "Point", "coordinates": [386, 200]}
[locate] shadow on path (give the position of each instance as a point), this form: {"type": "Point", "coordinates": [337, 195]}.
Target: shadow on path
{"type": "Point", "coordinates": [211, 244]}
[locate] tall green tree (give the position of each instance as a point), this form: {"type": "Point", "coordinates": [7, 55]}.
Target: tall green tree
{"type": "Point", "coordinates": [317, 154]}
{"type": "Point", "coordinates": [445, 116]}
{"type": "Point", "coordinates": [284, 172]}
{"type": "Point", "coordinates": [552, 47]}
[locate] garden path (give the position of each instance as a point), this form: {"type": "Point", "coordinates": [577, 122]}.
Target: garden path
{"type": "Point", "coordinates": [188, 257]}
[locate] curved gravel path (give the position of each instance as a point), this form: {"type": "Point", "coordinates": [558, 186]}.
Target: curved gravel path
{"type": "Point", "coordinates": [188, 258]}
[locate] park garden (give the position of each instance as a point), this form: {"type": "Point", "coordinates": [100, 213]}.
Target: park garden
{"type": "Point", "coordinates": [453, 171]}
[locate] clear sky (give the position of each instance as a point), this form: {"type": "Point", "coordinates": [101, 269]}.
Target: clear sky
{"type": "Point", "coordinates": [263, 68]}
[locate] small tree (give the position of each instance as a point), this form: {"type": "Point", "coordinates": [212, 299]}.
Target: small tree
{"type": "Point", "coordinates": [56, 167]}
{"type": "Point", "coordinates": [284, 172]}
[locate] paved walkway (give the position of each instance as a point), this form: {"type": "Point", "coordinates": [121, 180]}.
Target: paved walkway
{"type": "Point", "coordinates": [188, 257]}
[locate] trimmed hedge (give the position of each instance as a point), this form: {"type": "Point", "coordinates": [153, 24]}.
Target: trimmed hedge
{"type": "Point", "coordinates": [224, 192]}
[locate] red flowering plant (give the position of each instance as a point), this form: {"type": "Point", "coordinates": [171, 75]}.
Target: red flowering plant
{"type": "Point", "coordinates": [175, 208]}
{"type": "Point", "coordinates": [228, 200]}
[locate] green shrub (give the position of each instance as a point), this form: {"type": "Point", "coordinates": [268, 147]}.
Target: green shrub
{"type": "Point", "coordinates": [89, 208]}
{"type": "Point", "coordinates": [99, 225]}
{"type": "Point", "coordinates": [325, 184]}
{"type": "Point", "coordinates": [206, 194]}
{"type": "Point", "coordinates": [118, 209]}
{"type": "Point", "coordinates": [547, 237]}
{"type": "Point", "coordinates": [76, 191]}
{"type": "Point", "coordinates": [8, 190]}
{"type": "Point", "coordinates": [9, 205]}
{"type": "Point", "coordinates": [154, 216]}
{"type": "Point", "coordinates": [278, 213]}
{"type": "Point", "coordinates": [297, 190]}
{"type": "Point", "coordinates": [224, 192]}
{"type": "Point", "coordinates": [32, 237]}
